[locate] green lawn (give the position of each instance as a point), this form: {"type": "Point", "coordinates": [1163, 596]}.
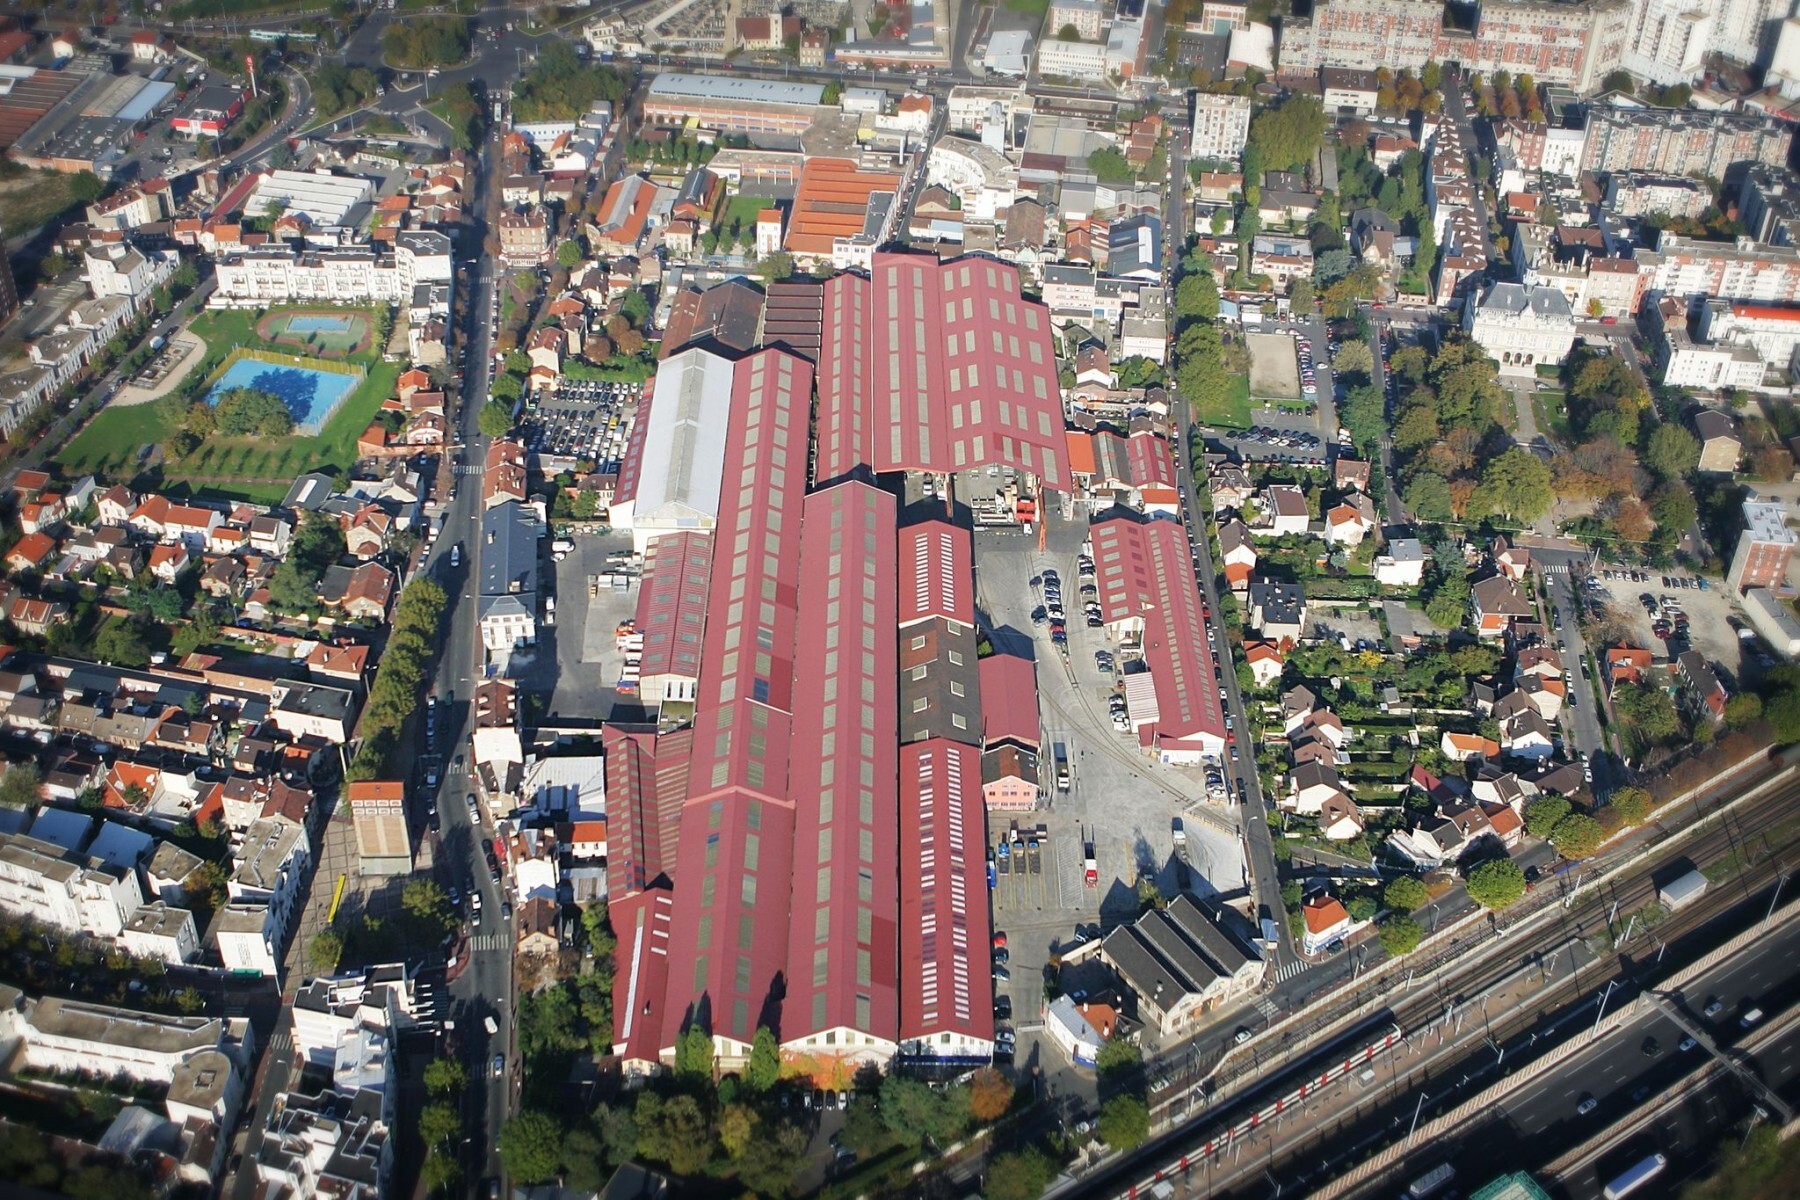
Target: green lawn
{"type": "Point", "coordinates": [119, 442]}
{"type": "Point", "coordinates": [30, 198]}
{"type": "Point", "coordinates": [1230, 411]}
{"type": "Point", "coordinates": [743, 209]}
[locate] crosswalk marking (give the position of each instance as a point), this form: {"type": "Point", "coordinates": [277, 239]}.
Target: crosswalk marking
{"type": "Point", "coordinates": [281, 1041]}
{"type": "Point", "coordinates": [1288, 970]}
{"type": "Point", "coordinates": [469, 469]}
{"type": "Point", "coordinates": [489, 941]}
{"type": "Point", "coordinates": [1267, 1008]}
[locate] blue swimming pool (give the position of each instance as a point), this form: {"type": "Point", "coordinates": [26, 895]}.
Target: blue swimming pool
{"type": "Point", "coordinates": [312, 396]}
{"type": "Point", "coordinates": [318, 324]}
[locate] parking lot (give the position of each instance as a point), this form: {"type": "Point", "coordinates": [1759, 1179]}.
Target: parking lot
{"type": "Point", "coordinates": [1708, 611]}
{"type": "Point", "coordinates": [578, 673]}
{"type": "Point", "coordinates": [1119, 801]}
{"type": "Point", "coordinates": [582, 421]}
{"type": "Point", "coordinates": [1284, 433]}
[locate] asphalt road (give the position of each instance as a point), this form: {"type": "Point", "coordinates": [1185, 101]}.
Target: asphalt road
{"type": "Point", "coordinates": [485, 986]}
{"type": "Point", "coordinates": [1580, 715]}
{"type": "Point", "coordinates": [1541, 1122]}
{"type": "Point", "coordinates": [1259, 850]}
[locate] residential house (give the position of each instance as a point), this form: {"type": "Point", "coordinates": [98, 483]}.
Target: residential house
{"type": "Point", "coordinates": [1284, 511]}
{"type": "Point", "coordinates": [1468, 747]}
{"type": "Point", "coordinates": [1526, 734]}
{"type": "Point", "coordinates": [1498, 602]}
{"type": "Point", "coordinates": [1237, 554]}
{"type": "Point", "coordinates": [1701, 692]}
{"type": "Point", "coordinates": [1277, 609]}
{"type": "Point", "coordinates": [1720, 445]}
{"type": "Point", "coordinates": [1326, 921]}
{"type": "Point", "coordinates": [1402, 564]}
{"type": "Point", "coordinates": [1514, 562]}
{"type": "Point", "coordinates": [1347, 524]}
{"type": "Point", "coordinates": [1265, 662]}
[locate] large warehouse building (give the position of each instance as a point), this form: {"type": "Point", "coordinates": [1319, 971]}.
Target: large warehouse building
{"type": "Point", "coordinates": [809, 857]}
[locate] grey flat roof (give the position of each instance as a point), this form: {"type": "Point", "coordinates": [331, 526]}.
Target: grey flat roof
{"type": "Point", "coordinates": [737, 88]}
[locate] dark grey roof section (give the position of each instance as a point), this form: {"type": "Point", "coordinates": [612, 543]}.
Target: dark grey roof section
{"type": "Point", "coordinates": [509, 551]}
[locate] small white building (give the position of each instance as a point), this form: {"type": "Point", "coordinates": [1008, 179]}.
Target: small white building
{"type": "Point", "coordinates": [1070, 1029]}
{"type": "Point", "coordinates": [1402, 564]}
{"type": "Point", "coordinates": [157, 931]}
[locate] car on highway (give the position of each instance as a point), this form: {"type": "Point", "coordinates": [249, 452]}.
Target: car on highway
{"type": "Point", "coordinates": [1588, 1104]}
{"type": "Point", "coordinates": [499, 1065]}
{"type": "Point", "coordinates": [1713, 1008]}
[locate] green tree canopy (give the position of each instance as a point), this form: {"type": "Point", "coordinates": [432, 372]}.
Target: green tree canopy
{"type": "Point", "coordinates": [1109, 165]}
{"type": "Point", "coordinates": [21, 786]}
{"type": "Point", "coordinates": [1289, 135]}
{"type": "Point", "coordinates": [674, 1130]}
{"type": "Point", "coordinates": [1671, 451]}
{"type": "Point", "coordinates": [1544, 814]}
{"type": "Point", "coordinates": [1496, 884]}
{"type": "Point", "coordinates": [569, 255]}
{"type": "Point", "coordinates": [1118, 1058]}
{"type": "Point", "coordinates": [531, 1146]}
{"type": "Point", "coordinates": [1400, 935]}
{"type": "Point", "coordinates": [244, 411]}
{"type": "Point", "coordinates": [1406, 894]}
{"type": "Point", "coordinates": [1631, 803]}
{"type": "Point", "coordinates": [325, 951]}
{"type": "Point", "coordinates": [560, 87]}
{"type": "Point", "coordinates": [1577, 836]}
{"type": "Point", "coordinates": [1514, 484]}
{"type": "Point", "coordinates": [495, 419]}
{"type": "Point", "coordinates": [1124, 1123]}
{"type": "Point", "coordinates": [1021, 1174]}
{"type": "Point", "coordinates": [419, 43]}
{"type": "Point", "coordinates": [764, 1069]}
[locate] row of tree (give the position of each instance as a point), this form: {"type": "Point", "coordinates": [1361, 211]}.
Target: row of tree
{"type": "Point", "coordinates": [412, 639]}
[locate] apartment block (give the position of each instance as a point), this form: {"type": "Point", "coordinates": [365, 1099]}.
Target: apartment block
{"type": "Point", "coordinates": [1679, 141]}
{"type": "Point", "coordinates": [1572, 44]}
{"type": "Point", "coordinates": [1765, 549]}
{"type": "Point", "coordinates": [1221, 126]}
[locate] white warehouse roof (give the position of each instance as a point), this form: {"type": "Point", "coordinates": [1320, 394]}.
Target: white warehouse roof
{"type": "Point", "coordinates": [684, 443]}
{"type": "Point", "coordinates": [325, 199]}
{"type": "Point", "coordinates": [736, 87]}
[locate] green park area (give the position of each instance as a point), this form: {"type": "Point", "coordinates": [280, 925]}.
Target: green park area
{"type": "Point", "coordinates": [1228, 407]}
{"type": "Point", "coordinates": [150, 445]}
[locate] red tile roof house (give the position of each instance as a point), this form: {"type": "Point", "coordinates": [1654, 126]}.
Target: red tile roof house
{"type": "Point", "coordinates": [1327, 921]}
{"type": "Point", "coordinates": [33, 552]}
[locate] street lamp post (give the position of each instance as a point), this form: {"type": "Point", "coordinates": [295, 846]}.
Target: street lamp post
{"type": "Point", "coordinates": [1604, 996]}
{"type": "Point", "coordinates": [1417, 1109]}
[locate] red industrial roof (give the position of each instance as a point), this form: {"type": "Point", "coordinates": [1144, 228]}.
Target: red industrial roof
{"type": "Point", "coordinates": [1151, 462]}
{"type": "Point", "coordinates": [842, 941]}
{"type": "Point", "coordinates": [936, 564]}
{"type": "Point", "coordinates": [944, 928]}
{"type": "Point", "coordinates": [1080, 448]}
{"type": "Point", "coordinates": [736, 836]}
{"type": "Point", "coordinates": [831, 202]}
{"type": "Point", "coordinates": [1144, 569]}
{"type": "Point", "coordinates": [1009, 700]}
{"type": "Point", "coordinates": [935, 366]}
{"type": "Point", "coordinates": [671, 608]}
{"type": "Point", "coordinates": [641, 922]}
{"type": "Point", "coordinates": [646, 783]}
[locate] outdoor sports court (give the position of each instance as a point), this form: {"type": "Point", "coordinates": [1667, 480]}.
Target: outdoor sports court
{"type": "Point", "coordinates": [334, 333]}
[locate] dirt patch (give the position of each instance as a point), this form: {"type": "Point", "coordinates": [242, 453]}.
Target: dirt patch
{"type": "Point", "coordinates": [1274, 366]}
{"type": "Point", "coordinates": [169, 374]}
